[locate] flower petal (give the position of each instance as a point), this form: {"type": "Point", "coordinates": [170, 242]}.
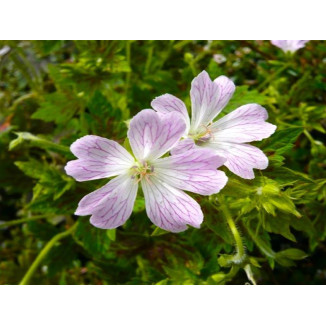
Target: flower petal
{"type": "Point", "coordinates": [241, 158]}
{"type": "Point", "coordinates": [289, 45]}
{"type": "Point", "coordinates": [226, 87]}
{"type": "Point", "coordinates": [169, 208]}
{"type": "Point", "coordinates": [110, 205]}
{"type": "Point", "coordinates": [151, 135]}
{"type": "Point", "coordinates": [245, 124]}
{"type": "Point", "coordinates": [168, 103]}
{"type": "Point", "coordinates": [98, 158]}
{"type": "Point", "coordinates": [208, 98]}
{"type": "Point", "coordinates": [193, 170]}
{"type": "Point", "coordinates": [182, 146]}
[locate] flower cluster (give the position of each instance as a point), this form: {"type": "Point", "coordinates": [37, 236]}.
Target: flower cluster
{"type": "Point", "coordinates": [197, 147]}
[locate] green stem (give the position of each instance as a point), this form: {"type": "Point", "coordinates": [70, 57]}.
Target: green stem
{"type": "Point", "coordinates": [308, 135]}
{"type": "Point", "coordinates": [38, 142]}
{"type": "Point", "coordinates": [44, 252]}
{"type": "Point", "coordinates": [22, 220]}
{"type": "Point", "coordinates": [233, 272]}
{"type": "Point", "coordinates": [241, 253]}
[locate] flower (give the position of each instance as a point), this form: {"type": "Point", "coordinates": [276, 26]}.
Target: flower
{"type": "Point", "coordinates": [228, 136]}
{"type": "Point", "coordinates": [289, 45]}
{"type": "Point", "coordinates": [219, 58]}
{"type": "Point", "coordinates": [162, 179]}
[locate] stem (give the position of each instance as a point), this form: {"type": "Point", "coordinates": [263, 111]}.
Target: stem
{"type": "Point", "coordinates": [241, 253]}
{"type": "Point", "coordinates": [44, 252]}
{"type": "Point", "coordinates": [308, 135]}
{"type": "Point", "coordinates": [22, 220]}
{"type": "Point", "coordinates": [38, 142]}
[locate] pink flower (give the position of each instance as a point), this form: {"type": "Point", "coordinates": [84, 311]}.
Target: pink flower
{"type": "Point", "coordinates": [289, 45]}
{"type": "Point", "coordinates": [162, 179]}
{"type": "Point", "coordinates": [228, 136]}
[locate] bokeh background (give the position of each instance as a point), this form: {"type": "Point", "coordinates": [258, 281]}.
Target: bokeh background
{"type": "Point", "coordinates": [53, 92]}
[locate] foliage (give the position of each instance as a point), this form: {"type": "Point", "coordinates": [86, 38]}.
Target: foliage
{"type": "Point", "coordinates": [53, 92]}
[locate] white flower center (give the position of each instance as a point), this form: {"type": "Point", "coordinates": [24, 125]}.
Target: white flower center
{"type": "Point", "coordinates": [142, 170]}
{"type": "Point", "coordinates": [202, 134]}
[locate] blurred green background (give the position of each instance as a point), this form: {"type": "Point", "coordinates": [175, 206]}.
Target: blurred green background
{"type": "Point", "coordinates": [53, 92]}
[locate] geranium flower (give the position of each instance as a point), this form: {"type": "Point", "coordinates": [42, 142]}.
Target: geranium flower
{"type": "Point", "coordinates": [162, 179]}
{"type": "Point", "coordinates": [289, 45]}
{"type": "Point", "coordinates": [228, 136]}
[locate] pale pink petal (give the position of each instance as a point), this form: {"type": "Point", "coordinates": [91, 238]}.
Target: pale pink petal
{"type": "Point", "coordinates": [112, 204]}
{"type": "Point", "coordinates": [169, 208]}
{"type": "Point", "coordinates": [208, 98]}
{"type": "Point", "coordinates": [151, 135]}
{"type": "Point", "coordinates": [193, 170]}
{"type": "Point", "coordinates": [226, 87]}
{"type": "Point", "coordinates": [289, 45]}
{"type": "Point", "coordinates": [245, 124]}
{"type": "Point", "coordinates": [182, 146]}
{"type": "Point", "coordinates": [241, 158]}
{"type": "Point", "coordinates": [168, 103]}
{"type": "Point", "coordinates": [98, 158]}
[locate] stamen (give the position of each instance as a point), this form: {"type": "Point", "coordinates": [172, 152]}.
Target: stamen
{"type": "Point", "coordinates": [143, 170]}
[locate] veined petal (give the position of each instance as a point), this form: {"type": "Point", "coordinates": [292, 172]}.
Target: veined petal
{"type": "Point", "coordinates": [152, 135]}
{"type": "Point", "coordinates": [182, 146]}
{"type": "Point", "coordinates": [168, 103]}
{"type": "Point", "coordinates": [204, 99]}
{"type": "Point", "coordinates": [110, 205]}
{"type": "Point", "coordinates": [241, 158]}
{"type": "Point", "coordinates": [98, 158]}
{"type": "Point", "coordinates": [208, 98]}
{"type": "Point", "coordinates": [245, 124]}
{"type": "Point", "coordinates": [226, 87]}
{"type": "Point", "coordinates": [169, 208]}
{"type": "Point", "coordinates": [193, 170]}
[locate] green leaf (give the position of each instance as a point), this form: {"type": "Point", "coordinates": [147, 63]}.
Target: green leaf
{"type": "Point", "coordinates": [51, 182]}
{"type": "Point", "coordinates": [281, 142]}
{"type": "Point", "coordinates": [217, 224]}
{"type": "Point", "coordinates": [292, 253]}
{"type": "Point", "coordinates": [111, 234]}
{"type": "Point", "coordinates": [101, 114]}
{"type": "Point", "coordinates": [218, 278]}
{"type": "Point", "coordinates": [279, 225]}
{"type": "Point", "coordinates": [94, 240]}
{"type": "Point", "coordinates": [284, 204]}
{"type": "Point", "coordinates": [244, 96]}
{"type": "Point", "coordinates": [58, 107]}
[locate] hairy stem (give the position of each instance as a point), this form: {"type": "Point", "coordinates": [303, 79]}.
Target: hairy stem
{"type": "Point", "coordinates": [241, 253]}
{"type": "Point", "coordinates": [44, 252]}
